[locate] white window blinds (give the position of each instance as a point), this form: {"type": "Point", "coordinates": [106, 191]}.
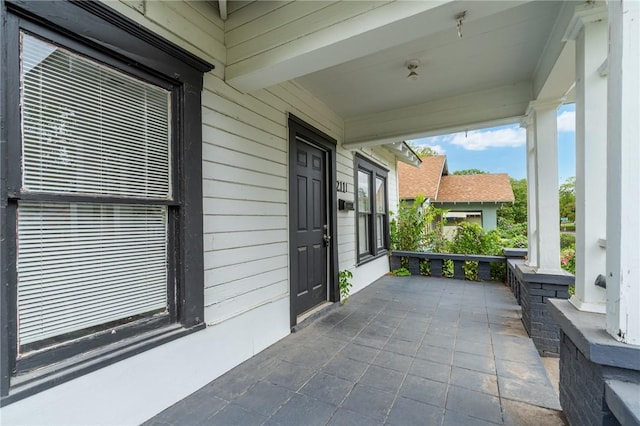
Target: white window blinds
{"type": "Point", "coordinates": [90, 129]}
{"type": "Point", "coordinates": [82, 265]}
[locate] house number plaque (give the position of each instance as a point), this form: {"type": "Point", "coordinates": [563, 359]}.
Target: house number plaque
{"type": "Point", "coordinates": [341, 186]}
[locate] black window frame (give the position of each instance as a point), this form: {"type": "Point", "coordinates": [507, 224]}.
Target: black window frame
{"type": "Point", "coordinates": [96, 31]}
{"type": "Point", "coordinates": [375, 171]}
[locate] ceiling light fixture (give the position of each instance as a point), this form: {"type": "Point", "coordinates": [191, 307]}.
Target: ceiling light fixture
{"type": "Point", "coordinates": [412, 66]}
{"type": "Point", "coordinates": [459, 18]}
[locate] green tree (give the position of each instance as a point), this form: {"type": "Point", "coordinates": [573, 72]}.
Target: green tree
{"type": "Point", "coordinates": [517, 212]}
{"type": "Point", "coordinates": [423, 150]}
{"type": "Point", "coordinates": [568, 199]}
{"type": "Point", "coordinates": [471, 238]}
{"type": "Point", "coordinates": [470, 172]}
{"type": "Point", "coordinates": [409, 226]}
{"type": "Point", "coordinates": [409, 229]}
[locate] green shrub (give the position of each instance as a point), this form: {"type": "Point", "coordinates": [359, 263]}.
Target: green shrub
{"type": "Point", "coordinates": [447, 268]}
{"type": "Point", "coordinates": [436, 241]}
{"type": "Point", "coordinates": [518, 241]}
{"type": "Point", "coordinates": [471, 238]}
{"type": "Point", "coordinates": [568, 260]}
{"type": "Point", "coordinates": [409, 226]}
{"type": "Point", "coordinates": [508, 230]}
{"type": "Point", "coordinates": [401, 272]}
{"type": "Point", "coordinates": [425, 267]}
{"type": "Point", "coordinates": [498, 271]}
{"type": "Point", "coordinates": [345, 285]}
{"type": "Point", "coordinates": [567, 241]}
{"type": "Point", "coordinates": [471, 270]}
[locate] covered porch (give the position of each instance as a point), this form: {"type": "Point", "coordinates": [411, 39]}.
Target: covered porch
{"type": "Point", "coordinates": [343, 68]}
{"type": "Point", "coordinates": [405, 350]}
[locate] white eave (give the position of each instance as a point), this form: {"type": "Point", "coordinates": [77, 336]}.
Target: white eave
{"type": "Point", "coordinates": [403, 152]}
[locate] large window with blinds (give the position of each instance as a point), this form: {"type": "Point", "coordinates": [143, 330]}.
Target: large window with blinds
{"type": "Point", "coordinates": [92, 130]}
{"type": "Point", "coordinates": [103, 188]}
{"type": "Point", "coordinates": [371, 209]}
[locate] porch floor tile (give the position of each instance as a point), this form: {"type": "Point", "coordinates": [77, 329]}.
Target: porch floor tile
{"type": "Point", "coordinates": [403, 351]}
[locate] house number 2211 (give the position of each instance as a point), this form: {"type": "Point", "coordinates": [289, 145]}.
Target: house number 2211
{"type": "Point", "coordinates": [341, 186]}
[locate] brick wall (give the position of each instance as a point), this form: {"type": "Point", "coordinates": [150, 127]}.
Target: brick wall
{"type": "Point", "coordinates": [512, 279]}
{"type": "Point", "coordinates": [537, 319]}
{"type": "Point", "coordinates": [582, 388]}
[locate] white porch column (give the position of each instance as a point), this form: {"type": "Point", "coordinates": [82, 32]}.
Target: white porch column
{"type": "Point", "coordinates": [589, 29]}
{"type": "Point", "coordinates": [532, 191]}
{"type": "Point", "coordinates": [546, 175]}
{"type": "Point", "coordinates": [623, 172]}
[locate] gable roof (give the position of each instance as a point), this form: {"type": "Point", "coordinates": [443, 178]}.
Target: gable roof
{"type": "Point", "coordinates": [475, 188]}
{"type": "Point", "coordinates": [432, 180]}
{"type": "Point", "coordinates": [421, 180]}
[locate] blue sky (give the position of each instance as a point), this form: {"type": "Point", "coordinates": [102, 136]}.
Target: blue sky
{"type": "Point", "coordinates": [502, 149]}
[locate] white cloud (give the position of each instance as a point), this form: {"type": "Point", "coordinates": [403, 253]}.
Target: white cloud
{"type": "Point", "coordinates": [439, 149]}
{"type": "Point", "coordinates": [479, 140]}
{"type": "Point", "coordinates": [567, 121]}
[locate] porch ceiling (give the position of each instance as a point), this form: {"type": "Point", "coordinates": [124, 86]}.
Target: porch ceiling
{"type": "Point", "coordinates": [496, 50]}
{"type": "Point", "coordinates": [353, 56]}
{"type": "Point", "coordinates": [484, 78]}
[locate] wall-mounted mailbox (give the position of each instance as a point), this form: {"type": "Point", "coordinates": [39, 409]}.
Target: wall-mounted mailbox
{"type": "Point", "coordinates": [345, 205]}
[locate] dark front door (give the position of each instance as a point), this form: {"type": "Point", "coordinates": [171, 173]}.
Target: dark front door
{"type": "Point", "coordinates": [311, 236]}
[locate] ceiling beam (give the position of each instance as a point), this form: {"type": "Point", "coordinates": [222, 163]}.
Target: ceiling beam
{"type": "Point", "coordinates": [287, 52]}
{"type": "Point", "coordinates": [486, 108]}
{"type": "Point", "coordinates": [554, 56]}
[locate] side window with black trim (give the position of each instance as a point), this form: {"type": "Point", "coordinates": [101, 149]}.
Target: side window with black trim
{"type": "Point", "coordinates": [371, 209]}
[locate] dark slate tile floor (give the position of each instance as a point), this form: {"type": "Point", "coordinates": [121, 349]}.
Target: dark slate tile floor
{"type": "Point", "coordinates": [404, 351]}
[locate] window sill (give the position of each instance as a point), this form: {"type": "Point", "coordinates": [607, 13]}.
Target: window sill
{"type": "Point", "coordinates": [367, 259]}
{"type": "Point", "coordinates": [31, 383]}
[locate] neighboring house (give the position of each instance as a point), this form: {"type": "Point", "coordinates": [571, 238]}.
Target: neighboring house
{"type": "Point", "coordinates": [423, 180]}
{"type": "Point", "coordinates": [467, 198]}
{"type": "Point", "coordinates": [181, 181]}
{"type": "Point", "coordinates": [474, 198]}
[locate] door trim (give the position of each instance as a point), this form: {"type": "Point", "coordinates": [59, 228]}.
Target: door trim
{"type": "Point", "coordinates": [299, 127]}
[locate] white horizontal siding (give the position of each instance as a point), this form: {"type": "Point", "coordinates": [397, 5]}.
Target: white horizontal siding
{"type": "Point", "coordinates": [243, 223]}
{"type": "Point", "coordinates": [258, 296]}
{"type": "Point", "coordinates": [229, 277]}
{"type": "Point", "coordinates": [194, 26]}
{"type": "Point", "coordinates": [241, 255]}
{"type": "Point", "coordinates": [213, 137]}
{"type": "Point", "coordinates": [242, 207]}
{"type": "Point", "coordinates": [278, 26]}
{"type": "Point", "coordinates": [225, 240]}
{"type": "Point", "coordinates": [227, 173]}
{"type": "Point", "coordinates": [245, 178]}
{"type": "Point", "coordinates": [275, 16]}
{"type": "Point", "coordinates": [219, 120]}
{"type": "Point", "coordinates": [242, 12]}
